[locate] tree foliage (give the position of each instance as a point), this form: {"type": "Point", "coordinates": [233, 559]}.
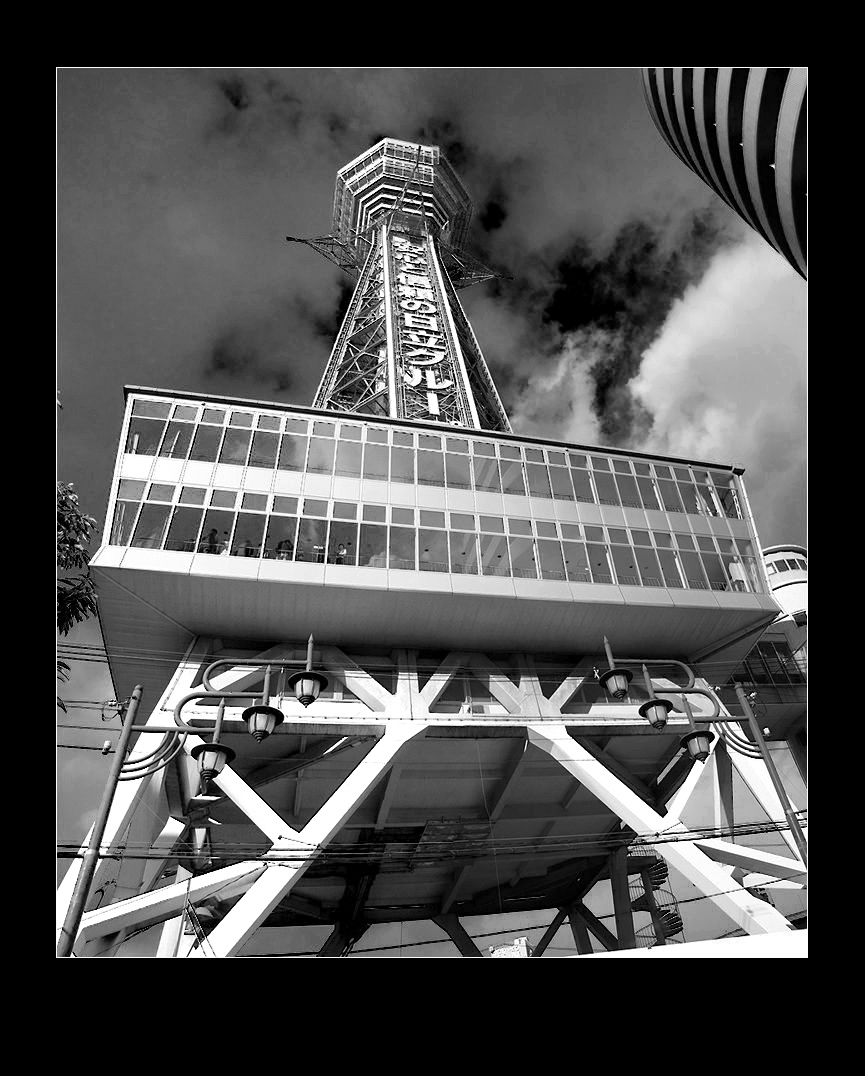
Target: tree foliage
{"type": "Point", "coordinates": [76, 596]}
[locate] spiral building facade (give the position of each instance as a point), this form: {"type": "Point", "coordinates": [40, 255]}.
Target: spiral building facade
{"type": "Point", "coordinates": [742, 130]}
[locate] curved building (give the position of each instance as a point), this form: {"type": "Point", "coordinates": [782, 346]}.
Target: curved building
{"type": "Point", "coordinates": [787, 569]}
{"type": "Point", "coordinates": [743, 131]}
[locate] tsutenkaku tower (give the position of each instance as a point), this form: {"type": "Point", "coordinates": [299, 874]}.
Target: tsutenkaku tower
{"type": "Point", "coordinates": [406, 349]}
{"type": "Point", "coordinates": [455, 589]}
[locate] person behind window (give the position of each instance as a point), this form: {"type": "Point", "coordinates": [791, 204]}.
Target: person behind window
{"type": "Point", "coordinates": [284, 549]}
{"type": "Point", "coordinates": [211, 542]}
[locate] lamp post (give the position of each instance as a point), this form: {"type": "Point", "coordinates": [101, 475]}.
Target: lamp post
{"type": "Point", "coordinates": [212, 757]}
{"type": "Point", "coordinates": [698, 741]}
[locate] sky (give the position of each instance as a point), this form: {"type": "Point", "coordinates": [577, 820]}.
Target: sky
{"type": "Point", "coordinates": [639, 311]}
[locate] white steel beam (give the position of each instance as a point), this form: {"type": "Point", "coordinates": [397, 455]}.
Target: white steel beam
{"type": "Point", "coordinates": [753, 915]}
{"type": "Point", "coordinates": [752, 859]}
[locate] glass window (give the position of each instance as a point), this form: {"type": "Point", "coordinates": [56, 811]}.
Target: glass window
{"type": "Point", "coordinates": [594, 534]}
{"type": "Point", "coordinates": [349, 433]}
{"type": "Point", "coordinates": [297, 425]}
{"type": "Point", "coordinates": [460, 522]}
{"type": "Point", "coordinates": [745, 547]}
{"type": "Point", "coordinates": [268, 422]}
{"type": "Point", "coordinates": [509, 452]}
{"type": "Point", "coordinates": [662, 540]}
{"type": "Point", "coordinates": [684, 541]}
{"type": "Point", "coordinates": [628, 491]}
{"type": "Point", "coordinates": [647, 494]}
{"type": "Point", "coordinates": [625, 565]}
{"type": "Point", "coordinates": [520, 526]}
{"type": "Point", "coordinates": [539, 482]}
{"type": "Point", "coordinates": [599, 564]}
{"type": "Point", "coordinates": [736, 571]}
{"type": "Point", "coordinates": [670, 569]}
{"type": "Point", "coordinates": [373, 545]}
{"type": "Point", "coordinates": [401, 437]}
{"type": "Point", "coordinates": [487, 475]}
{"type": "Point", "coordinates": [281, 532]}
{"type": "Point", "coordinates": [255, 502]}
{"type": "Point", "coordinates": [522, 552]}
{"type": "Point", "coordinates": [456, 444]}
{"type": "Point", "coordinates": [313, 507]}
{"type": "Point", "coordinates": [223, 498]}
{"type": "Point", "coordinates": [177, 439]}
{"type": "Point", "coordinates": [599, 463]}
{"type": "Point", "coordinates": [401, 464]}
{"type": "Point", "coordinates": [235, 447]}
{"type": "Point", "coordinates": [647, 563]}
{"type": "Point", "coordinates": [432, 550]}
{"type": "Point", "coordinates": [402, 548]}
{"type": "Point", "coordinates": [159, 492]}
{"type": "Point", "coordinates": [730, 501]}
{"type": "Point", "coordinates": [402, 515]}
{"type": "Point", "coordinates": [550, 558]}
{"type": "Point", "coordinates": [576, 562]}
{"type": "Point", "coordinates": [705, 544]}
{"type": "Point", "coordinates": [375, 462]}
{"type": "Point", "coordinates": [240, 418]}
{"type": "Point", "coordinates": [616, 534]}
{"type": "Point", "coordinates": [464, 554]}
{"type": "Point", "coordinates": [265, 446]}
{"type": "Point", "coordinates": [426, 440]}
{"type": "Point", "coordinates": [494, 555]}
{"type": "Point", "coordinates": [292, 454]}
{"type": "Point", "coordinates": [493, 524]}
{"type": "Point", "coordinates": [571, 530]}
{"type": "Point", "coordinates": [512, 477]}
{"type": "Point", "coordinates": [344, 510]}
{"type": "Point", "coordinates": [431, 519]}
{"type": "Point", "coordinates": [286, 505]}
{"type": "Point", "coordinates": [374, 513]}
{"type": "Point", "coordinates": [670, 495]}
{"type": "Point", "coordinates": [348, 459]}
{"type": "Point", "coordinates": [458, 471]}
{"type": "Point", "coordinates": [150, 529]}
{"type": "Point", "coordinates": [206, 443]}
{"type": "Point", "coordinates": [621, 466]}
{"type": "Point", "coordinates": [342, 544]}
{"type": "Point", "coordinates": [557, 458]}
{"type": "Point", "coordinates": [546, 530]}
{"type": "Point", "coordinates": [324, 429]}
{"type": "Point", "coordinates": [144, 436]}
{"type": "Point", "coordinates": [130, 490]}
{"type": "Point", "coordinates": [481, 448]}
{"type": "Point", "coordinates": [151, 408]}
{"type": "Point", "coordinates": [771, 569]}
{"type": "Point", "coordinates": [642, 468]}
{"type": "Point", "coordinates": [248, 535]}
{"type": "Point", "coordinates": [534, 455]}
{"type": "Point", "coordinates": [583, 486]}
{"type": "Point", "coordinates": [663, 472]}
{"type": "Point", "coordinates": [183, 532]}
{"type": "Point", "coordinates": [311, 540]}
{"type": "Point", "coordinates": [693, 570]}
{"type": "Point", "coordinates": [430, 469]}
{"type": "Point", "coordinates": [708, 505]}
{"type": "Point", "coordinates": [216, 532]}
{"type": "Point", "coordinates": [690, 498]}
{"type": "Point", "coordinates": [124, 517]}
{"type": "Point", "coordinates": [715, 571]}
{"type": "Point", "coordinates": [576, 460]}
{"type": "Point", "coordinates": [378, 436]}
{"type": "Point", "coordinates": [213, 415]}
{"type": "Point", "coordinates": [561, 482]}
{"type": "Point", "coordinates": [606, 487]}
{"type": "Point", "coordinates": [320, 455]}
{"type": "Point", "coordinates": [640, 538]}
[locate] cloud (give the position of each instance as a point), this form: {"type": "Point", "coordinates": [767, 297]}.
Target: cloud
{"type": "Point", "coordinates": [725, 381]}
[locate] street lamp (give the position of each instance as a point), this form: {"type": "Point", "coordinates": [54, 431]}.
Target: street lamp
{"type": "Point", "coordinates": [212, 757]}
{"type": "Point", "coordinates": [615, 681]}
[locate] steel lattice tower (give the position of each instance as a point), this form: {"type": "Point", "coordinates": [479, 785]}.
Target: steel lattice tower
{"type": "Point", "coordinates": [406, 348]}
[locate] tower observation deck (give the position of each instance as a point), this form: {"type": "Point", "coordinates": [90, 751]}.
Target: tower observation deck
{"type": "Point", "coordinates": [459, 581]}
{"type": "Point", "coordinates": [406, 348]}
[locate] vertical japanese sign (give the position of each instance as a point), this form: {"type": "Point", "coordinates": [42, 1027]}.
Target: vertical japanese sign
{"type": "Point", "coordinates": [426, 363]}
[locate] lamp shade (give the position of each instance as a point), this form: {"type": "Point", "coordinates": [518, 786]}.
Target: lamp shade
{"type": "Point", "coordinates": [615, 682]}
{"type": "Point", "coordinates": [655, 712]}
{"type": "Point", "coordinates": [211, 758]}
{"type": "Point", "coordinates": [262, 720]}
{"type": "Point", "coordinates": [307, 685]}
{"type": "Point", "coordinates": [698, 743]}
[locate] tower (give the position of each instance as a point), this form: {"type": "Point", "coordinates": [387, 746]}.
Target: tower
{"type": "Point", "coordinates": [509, 630]}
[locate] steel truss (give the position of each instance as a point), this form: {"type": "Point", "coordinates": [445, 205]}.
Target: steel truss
{"type": "Point", "coordinates": [391, 710]}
